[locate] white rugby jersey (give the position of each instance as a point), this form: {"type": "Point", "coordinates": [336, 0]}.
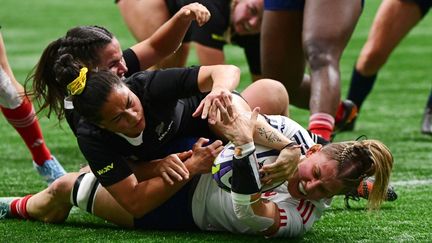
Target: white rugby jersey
{"type": "Point", "coordinates": [212, 207]}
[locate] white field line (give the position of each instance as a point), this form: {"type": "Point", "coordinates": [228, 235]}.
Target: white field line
{"type": "Point", "coordinates": [412, 182]}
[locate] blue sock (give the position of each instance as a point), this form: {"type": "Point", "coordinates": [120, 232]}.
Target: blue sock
{"type": "Point", "coordinates": [360, 87]}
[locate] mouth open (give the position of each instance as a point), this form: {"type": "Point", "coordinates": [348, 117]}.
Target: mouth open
{"type": "Point", "coordinates": [301, 188]}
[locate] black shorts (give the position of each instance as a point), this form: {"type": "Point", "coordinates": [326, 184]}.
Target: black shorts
{"type": "Point", "coordinates": [174, 214]}
{"type": "Point", "coordinates": [297, 5]}
{"type": "Point", "coordinates": [212, 33]}
{"type": "Point", "coordinates": [251, 47]}
{"type": "Point", "coordinates": [424, 5]}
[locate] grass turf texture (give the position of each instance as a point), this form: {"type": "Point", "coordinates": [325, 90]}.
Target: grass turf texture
{"type": "Point", "coordinates": [392, 114]}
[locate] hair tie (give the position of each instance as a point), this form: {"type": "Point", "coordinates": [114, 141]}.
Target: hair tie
{"type": "Point", "coordinates": [77, 86]}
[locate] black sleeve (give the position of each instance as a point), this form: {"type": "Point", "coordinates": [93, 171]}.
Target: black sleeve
{"type": "Point", "coordinates": [132, 62]}
{"type": "Point", "coordinates": [105, 162]}
{"type": "Point", "coordinates": [168, 84]}
{"type": "Point", "coordinates": [212, 33]}
{"type": "Point", "coordinates": [251, 47]}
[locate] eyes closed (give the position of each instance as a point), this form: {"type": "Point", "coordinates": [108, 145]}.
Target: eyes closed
{"type": "Point", "coordinates": [316, 173]}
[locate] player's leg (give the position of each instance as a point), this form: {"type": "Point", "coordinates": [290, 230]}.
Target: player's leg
{"type": "Point", "coordinates": [427, 117]}
{"type": "Point", "coordinates": [393, 21]}
{"type": "Point", "coordinates": [143, 18]}
{"type": "Point", "coordinates": [282, 56]}
{"type": "Point", "coordinates": [50, 205]}
{"type": "Point", "coordinates": [20, 113]}
{"type": "Point", "coordinates": [53, 204]}
{"type": "Point", "coordinates": [270, 95]}
{"type": "Point", "coordinates": [323, 45]}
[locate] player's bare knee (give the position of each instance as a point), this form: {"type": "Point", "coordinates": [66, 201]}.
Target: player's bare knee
{"type": "Point", "coordinates": [318, 54]}
{"type": "Point", "coordinates": [279, 99]}
{"type": "Point", "coordinates": [62, 187]}
{"type": "Point", "coordinates": [9, 96]}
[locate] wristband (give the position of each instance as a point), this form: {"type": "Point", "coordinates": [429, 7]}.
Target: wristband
{"type": "Point", "coordinates": [290, 145]}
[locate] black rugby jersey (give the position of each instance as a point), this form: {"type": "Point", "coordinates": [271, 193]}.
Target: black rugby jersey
{"type": "Point", "coordinates": [169, 98]}
{"type": "Point", "coordinates": [212, 34]}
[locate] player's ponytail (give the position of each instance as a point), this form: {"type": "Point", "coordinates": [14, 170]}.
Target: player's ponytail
{"type": "Point", "coordinates": [361, 159]}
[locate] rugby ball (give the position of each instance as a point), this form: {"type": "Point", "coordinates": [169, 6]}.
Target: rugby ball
{"type": "Point", "coordinates": [222, 165]}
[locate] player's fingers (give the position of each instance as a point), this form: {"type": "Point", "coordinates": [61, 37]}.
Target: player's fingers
{"type": "Point", "coordinates": [213, 113]}
{"type": "Point", "coordinates": [205, 110]}
{"type": "Point", "coordinates": [216, 144]}
{"type": "Point", "coordinates": [201, 141]}
{"type": "Point", "coordinates": [217, 151]}
{"type": "Point", "coordinates": [198, 110]}
{"type": "Point", "coordinates": [172, 173]}
{"type": "Point", "coordinates": [227, 102]}
{"type": "Point", "coordinates": [184, 155]}
{"type": "Point", "coordinates": [266, 180]}
{"type": "Point", "coordinates": [270, 168]}
{"type": "Point", "coordinates": [166, 178]}
{"type": "Point", "coordinates": [223, 112]}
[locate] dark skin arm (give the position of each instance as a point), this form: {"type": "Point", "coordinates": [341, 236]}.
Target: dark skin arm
{"type": "Point", "coordinates": [139, 198]}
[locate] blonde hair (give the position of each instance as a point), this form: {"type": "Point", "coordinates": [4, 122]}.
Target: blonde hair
{"type": "Point", "coordinates": [361, 159]}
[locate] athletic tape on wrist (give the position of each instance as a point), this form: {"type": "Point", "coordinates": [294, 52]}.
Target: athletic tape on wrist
{"type": "Point", "coordinates": [245, 175]}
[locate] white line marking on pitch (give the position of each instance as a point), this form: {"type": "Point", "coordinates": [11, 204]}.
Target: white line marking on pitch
{"type": "Point", "coordinates": [412, 182]}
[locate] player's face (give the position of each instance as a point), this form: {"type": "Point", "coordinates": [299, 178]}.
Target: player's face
{"type": "Point", "coordinates": [315, 178]}
{"type": "Point", "coordinates": [247, 16]}
{"type": "Point", "coordinates": [123, 113]}
{"type": "Point", "coordinates": [111, 58]}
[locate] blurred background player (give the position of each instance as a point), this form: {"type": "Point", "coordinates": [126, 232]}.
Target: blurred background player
{"type": "Point", "coordinates": [237, 22]}
{"type": "Point", "coordinates": [20, 113]}
{"type": "Point", "coordinates": [427, 117]}
{"type": "Point", "coordinates": [393, 21]}
{"type": "Point", "coordinates": [297, 32]}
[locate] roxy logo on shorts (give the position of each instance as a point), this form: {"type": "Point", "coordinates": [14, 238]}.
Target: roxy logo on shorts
{"type": "Point", "coordinates": [106, 169]}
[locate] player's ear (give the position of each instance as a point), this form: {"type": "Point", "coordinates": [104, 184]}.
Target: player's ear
{"type": "Point", "coordinates": [313, 149]}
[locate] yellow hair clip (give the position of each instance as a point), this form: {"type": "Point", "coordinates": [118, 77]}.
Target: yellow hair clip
{"type": "Point", "coordinates": [77, 86]}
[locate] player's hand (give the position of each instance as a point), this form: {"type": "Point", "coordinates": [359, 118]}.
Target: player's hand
{"type": "Point", "coordinates": [236, 127]}
{"type": "Point", "coordinates": [172, 167]}
{"type": "Point", "coordinates": [197, 12]}
{"type": "Point", "coordinates": [203, 156]}
{"type": "Point", "coordinates": [283, 168]}
{"type": "Point", "coordinates": [205, 108]}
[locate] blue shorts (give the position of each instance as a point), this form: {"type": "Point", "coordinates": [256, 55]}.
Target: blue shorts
{"type": "Point", "coordinates": [291, 4]}
{"type": "Point", "coordinates": [284, 4]}
{"type": "Point", "coordinates": [174, 214]}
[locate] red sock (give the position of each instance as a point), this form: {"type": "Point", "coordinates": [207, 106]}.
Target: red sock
{"type": "Point", "coordinates": [19, 207]}
{"type": "Point", "coordinates": [24, 120]}
{"type": "Point", "coordinates": [321, 124]}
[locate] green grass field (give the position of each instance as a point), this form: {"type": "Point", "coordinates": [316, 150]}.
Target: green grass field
{"type": "Point", "coordinates": [392, 114]}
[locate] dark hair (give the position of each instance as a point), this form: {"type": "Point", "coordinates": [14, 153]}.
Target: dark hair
{"type": "Point", "coordinates": [360, 159]}
{"type": "Point", "coordinates": [83, 43]}
{"type": "Point", "coordinates": [99, 84]}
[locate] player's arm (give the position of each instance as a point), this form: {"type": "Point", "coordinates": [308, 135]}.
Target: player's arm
{"type": "Point", "coordinates": [260, 215]}
{"type": "Point", "coordinates": [168, 37]}
{"type": "Point", "coordinates": [218, 80]}
{"type": "Point", "coordinates": [140, 197]}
